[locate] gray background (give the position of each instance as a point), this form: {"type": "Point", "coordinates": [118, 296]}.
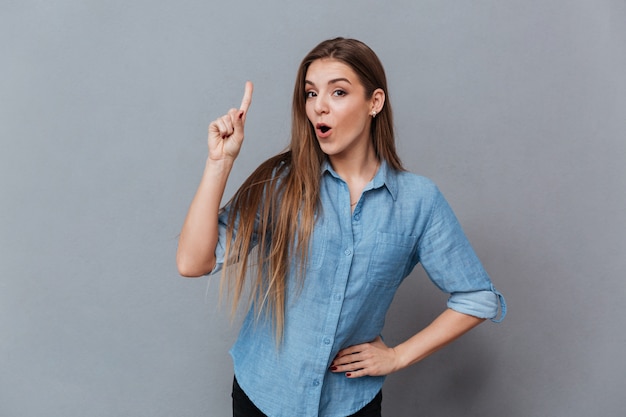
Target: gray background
{"type": "Point", "coordinates": [515, 108]}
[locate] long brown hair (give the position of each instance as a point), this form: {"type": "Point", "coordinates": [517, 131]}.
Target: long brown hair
{"type": "Point", "coordinates": [275, 207]}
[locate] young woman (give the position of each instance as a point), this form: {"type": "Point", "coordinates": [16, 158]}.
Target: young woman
{"type": "Point", "coordinates": [323, 234]}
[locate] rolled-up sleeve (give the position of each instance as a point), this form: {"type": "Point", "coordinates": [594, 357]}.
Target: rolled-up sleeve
{"type": "Point", "coordinates": [220, 248]}
{"type": "Point", "coordinates": [452, 265]}
{"type": "Point", "coordinates": [482, 304]}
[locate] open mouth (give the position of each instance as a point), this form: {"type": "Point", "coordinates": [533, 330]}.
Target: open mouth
{"type": "Point", "coordinates": [322, 128]}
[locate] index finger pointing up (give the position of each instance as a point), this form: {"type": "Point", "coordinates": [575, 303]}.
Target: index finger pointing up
{"type": "Point", "coordinates": [247, 97]}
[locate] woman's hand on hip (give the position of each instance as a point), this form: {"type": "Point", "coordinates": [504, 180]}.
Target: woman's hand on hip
{"type": "Point", "coordinates": [367, 359]}
{"type": "Point", "coordinates": [226, 132]}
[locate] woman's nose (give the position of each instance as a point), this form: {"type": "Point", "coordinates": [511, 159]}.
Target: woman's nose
{"type": "Point", "coordinates": [321, 105]}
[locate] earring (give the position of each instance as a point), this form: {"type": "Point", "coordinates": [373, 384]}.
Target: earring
{"type": "Point", "coordinates": [373, 114]}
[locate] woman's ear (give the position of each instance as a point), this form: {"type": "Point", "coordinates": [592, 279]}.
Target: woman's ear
{"type": "Point", "coordinates": [377, 101]}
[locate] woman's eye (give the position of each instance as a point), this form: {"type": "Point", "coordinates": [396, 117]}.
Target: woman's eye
{"type": "Point", "coordinates": [309, 94]}
{"type": "Point", "coordinates": [339, 93]}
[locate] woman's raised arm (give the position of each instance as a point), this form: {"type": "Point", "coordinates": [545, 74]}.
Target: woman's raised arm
{"type": "Point", "coordinates": [196, 245]}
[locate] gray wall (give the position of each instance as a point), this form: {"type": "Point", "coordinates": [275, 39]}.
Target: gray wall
{"type": "Point", "coordinates": [516, 109]}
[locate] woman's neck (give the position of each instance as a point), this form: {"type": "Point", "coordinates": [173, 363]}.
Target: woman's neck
{"type": "Point", "coordinates": [356, 168]}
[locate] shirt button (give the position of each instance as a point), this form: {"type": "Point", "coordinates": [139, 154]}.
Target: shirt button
{"type": "Point", "coordinates": [338, 297]}
{"type": "Point", "coordinates": [316, 382]}
{"type": "Point", "coordinates": [348, 252]}
{"type": "Point", "coordinates": [327, 341]}
{"type": "Point", "coordinates": [357, 217]}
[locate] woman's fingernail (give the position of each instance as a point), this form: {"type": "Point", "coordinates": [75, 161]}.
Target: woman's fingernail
{"type": "Point", "coordinates": [333, 368]}
{"type": "Point", "coordinates": [348, 374]}
{"type": "Point", "coordinates": [241, 115]}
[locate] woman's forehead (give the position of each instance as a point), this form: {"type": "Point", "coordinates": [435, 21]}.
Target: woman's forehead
{"type": "Point", "coordinates": [324, 70]}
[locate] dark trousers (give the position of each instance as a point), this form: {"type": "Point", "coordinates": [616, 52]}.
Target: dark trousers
{"type": "Point", "coordinates": [243, 407]}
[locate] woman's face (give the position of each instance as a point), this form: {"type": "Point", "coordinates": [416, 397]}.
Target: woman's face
{"type": "Point", "coordinates": [337, 107]}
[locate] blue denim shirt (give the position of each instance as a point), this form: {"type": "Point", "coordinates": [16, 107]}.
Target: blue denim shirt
{"type": "Point", "coordinates": [357, 261]}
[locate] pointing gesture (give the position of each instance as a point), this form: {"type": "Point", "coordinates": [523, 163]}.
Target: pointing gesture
{"type": "Point", "coordinates": [226, 132]}
{"type": "Point", "coordinates": [247, 99]}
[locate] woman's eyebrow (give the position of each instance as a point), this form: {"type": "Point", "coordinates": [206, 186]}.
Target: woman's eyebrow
{"type": "Point", "coordinates": [336, 80]}
{"type": "Point", "coordinates": [333, 81]}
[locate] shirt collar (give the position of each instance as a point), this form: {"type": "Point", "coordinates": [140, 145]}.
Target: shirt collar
{"type": "Point", "coordinates": [386, 176]}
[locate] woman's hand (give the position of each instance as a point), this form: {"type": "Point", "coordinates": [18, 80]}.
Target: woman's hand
{"type": "Point", "coordinates": [376, 359]}
{"type": "Point", "coordinates": [226, 132]}
{"type": "Point", "coordinates": [367, 359]}
{"type": "Point", "coordinates": [198, 238]}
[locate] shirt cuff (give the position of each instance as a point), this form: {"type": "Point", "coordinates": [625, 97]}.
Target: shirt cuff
{"type": "Point", "coordinates": [481, 304]}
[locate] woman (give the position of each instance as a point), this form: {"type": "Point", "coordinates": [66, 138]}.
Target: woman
{"type": "Point", "coordinates": [337, 224]}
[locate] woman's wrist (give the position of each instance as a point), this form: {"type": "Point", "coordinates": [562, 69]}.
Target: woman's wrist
{"type": "Point", "coordinates": [404, 357]}
{"type": "Point", "coordinates": [219, 167]}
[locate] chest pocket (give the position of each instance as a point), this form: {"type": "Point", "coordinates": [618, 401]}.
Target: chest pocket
{"type": "Point", "coordinates": [390, 259]}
